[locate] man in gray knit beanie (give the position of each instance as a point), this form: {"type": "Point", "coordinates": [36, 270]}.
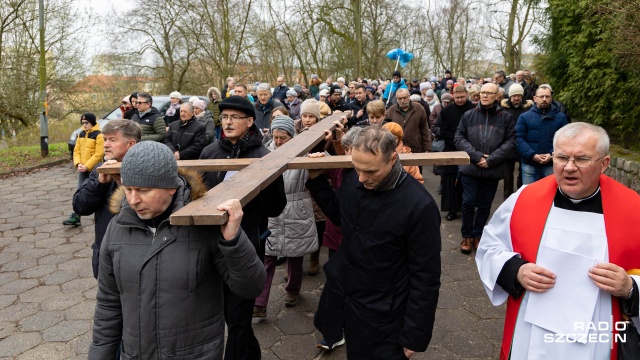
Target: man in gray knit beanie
{"type": "Point", "coordinates": [144, 259]}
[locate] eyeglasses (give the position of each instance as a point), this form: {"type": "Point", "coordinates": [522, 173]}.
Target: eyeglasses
{"type": "Point", "coordinates": [486, 93]}
{"type": "Point", "coordinates": [233, 118]}
{"type": "Point", "coordinates": [581, 162]}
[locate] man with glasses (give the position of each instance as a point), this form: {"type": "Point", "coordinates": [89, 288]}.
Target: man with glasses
{"type": "Point", "coordinates": [150, 120]}
{"type": "Point", "coordinates": [241, 138]}
{"type": "Point", "coordinates": [487, 134]}
{"type": "Point", "coordinates": [414, 122]}
{"type": "Point", "coordinates": [566, 234]}
{"type": "Point", "coordinates": [534, 135]}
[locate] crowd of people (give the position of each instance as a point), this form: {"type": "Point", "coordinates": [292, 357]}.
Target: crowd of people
{"type": "Point", "coordinates": [381, 226]}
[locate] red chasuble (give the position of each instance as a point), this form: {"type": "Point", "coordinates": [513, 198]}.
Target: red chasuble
{"type": "Point", "coordinates": [621, 208]}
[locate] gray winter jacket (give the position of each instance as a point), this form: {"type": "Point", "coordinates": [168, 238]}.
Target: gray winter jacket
{"type": "Point", "coordinates": [161, 294]}
{"type": "Point", "coordinates": [294, 232]}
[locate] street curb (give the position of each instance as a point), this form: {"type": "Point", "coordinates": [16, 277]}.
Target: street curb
{"type": "Point", "coordinates": [35, 167]}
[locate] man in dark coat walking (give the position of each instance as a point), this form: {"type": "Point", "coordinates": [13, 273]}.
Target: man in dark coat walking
{"type": "Point", "coordinates": [240, 138]}
{"type": "Point", "coordinates": [487, 134]}
{"type": "Point", "coordinates": [93, 196]}
{"type": "Point", "coordinates": [387, 271]}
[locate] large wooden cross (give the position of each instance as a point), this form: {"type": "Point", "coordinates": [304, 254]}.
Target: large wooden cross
{"type": "Point", "coordinates": [256, 174]}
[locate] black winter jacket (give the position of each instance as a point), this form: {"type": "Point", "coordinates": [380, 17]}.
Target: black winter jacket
{"type": "Point", "coordinates": [270, 201]}
{"type": "Point", "coordinates": [486, 131]}
{"type": "Point", "coordinates": [92, 198]}
{"type": "Point", "coordinates": [187, 139]}
{"type": "Point", "coordinates": [355, 106]}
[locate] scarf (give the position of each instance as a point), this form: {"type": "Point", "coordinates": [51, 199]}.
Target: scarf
{"type": "Point", "coordinates": [172, 109]}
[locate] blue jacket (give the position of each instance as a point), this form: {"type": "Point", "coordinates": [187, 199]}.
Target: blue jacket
{"type": "Point", "coordinates": [535, 130]}
{"type": "Point", "coordinates": [391, 91]}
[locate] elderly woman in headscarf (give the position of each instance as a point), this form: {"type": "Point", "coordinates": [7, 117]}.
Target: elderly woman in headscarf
{"type": "Point", "coordinates": [293, 233]}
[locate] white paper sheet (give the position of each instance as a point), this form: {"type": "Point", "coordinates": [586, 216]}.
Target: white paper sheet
{"type": "Point", "coordinates": [572, 299]}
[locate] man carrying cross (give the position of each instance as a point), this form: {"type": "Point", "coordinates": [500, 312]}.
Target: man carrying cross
{"type": "Point", "coordinates": [384, 280]}
{"type": "Point", "coordinates": [241, 138]}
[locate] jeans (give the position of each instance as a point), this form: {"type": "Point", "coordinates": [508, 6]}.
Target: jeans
{"type": "Point", "coordinates": [531, 173]}
{"type": "Point", "coordinates": [476, 193]}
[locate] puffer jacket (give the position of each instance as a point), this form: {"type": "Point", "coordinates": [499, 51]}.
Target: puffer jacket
{"type": "Point", "coordinates": [488, 131]}
{"type": "Point", "coordinates": [161, 294]}
{"type": "Point", "coordinates": [293, 232]}
{"type": "Point", "coordinates": [152, 125]}
{"type": "Point", "coordinates": [535, 131]}
{"type": "Point", "coordinates": [89, 149]}
{"type": "Point", "coordinates": [213, 105]}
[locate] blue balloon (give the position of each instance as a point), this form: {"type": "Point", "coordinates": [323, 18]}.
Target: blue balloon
{"type": "Point", "coordinates": [403, 57]}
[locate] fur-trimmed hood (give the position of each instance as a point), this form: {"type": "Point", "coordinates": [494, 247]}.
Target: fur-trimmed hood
{"type": "Point", "coordinates": [214, 90]}
{"type": "Point", "coordinates": [506, 104]}
{"type": "Point", "coordinates": [193, 187]}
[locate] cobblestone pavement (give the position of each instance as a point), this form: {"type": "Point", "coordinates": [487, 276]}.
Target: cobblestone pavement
{"type": "Point", "coordinates": [47, 290]}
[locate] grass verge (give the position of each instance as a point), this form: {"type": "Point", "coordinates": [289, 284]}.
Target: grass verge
{"type": "Point", "coordinates": [20, 157]}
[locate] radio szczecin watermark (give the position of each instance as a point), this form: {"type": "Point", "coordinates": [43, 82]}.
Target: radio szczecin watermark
{"type": "Point", "coordinates": [596, 332]}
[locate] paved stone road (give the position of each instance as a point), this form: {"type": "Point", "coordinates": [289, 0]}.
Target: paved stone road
{"type": "Point", "coordinates": [47, 291]}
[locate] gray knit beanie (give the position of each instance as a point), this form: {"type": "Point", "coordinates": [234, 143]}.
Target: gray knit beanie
{"type": "Point", "coordinates": [150, 164]}
{"type": "Point", "coordinates": [311, 106]}
{"type": "Point", "coordinates": [285, 123]}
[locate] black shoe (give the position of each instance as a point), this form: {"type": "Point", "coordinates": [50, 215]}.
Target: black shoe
{"type": "Point", "coordinates": [280, 260]}
{"type": "Point", "coordinates": [451, 216]}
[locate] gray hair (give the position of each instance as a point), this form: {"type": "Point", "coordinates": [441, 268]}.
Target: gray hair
{"type": "Point", "coordinates": [376, 141]}
{"type": "Point", "coordinates": [189, 105]}
{"type": "Point", "coordinates": [403, 90]}
{"type": "Point", "coordinates": [264, 87]}
{"type": "Point", "coordinates": [572, 130]}
{"type": "Point", "coordinates": [127, 128]}
{"type": "Point", "coordinates": [347, 138]}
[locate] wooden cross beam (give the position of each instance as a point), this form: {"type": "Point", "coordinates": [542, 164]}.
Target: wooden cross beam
{"type": "Point", "coordinates": [256, 174]}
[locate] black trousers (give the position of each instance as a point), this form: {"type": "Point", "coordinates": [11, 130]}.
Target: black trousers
{"type": "Point", "coordinates": [242, 344]}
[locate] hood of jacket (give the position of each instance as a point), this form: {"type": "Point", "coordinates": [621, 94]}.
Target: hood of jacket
{"type": "Point", "coordinates": [192, 188]}
{"type": "Point", "coordinates": [214, 90]}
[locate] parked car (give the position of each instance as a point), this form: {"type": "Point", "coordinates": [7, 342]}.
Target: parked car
{"type": "Point", "coordinates": [160, 102]}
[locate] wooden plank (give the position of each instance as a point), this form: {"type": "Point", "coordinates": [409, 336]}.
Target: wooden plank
{"type": "Point", "coordinates": [246, 184]}
{"type": "Point", "coordinates": [331, 162]}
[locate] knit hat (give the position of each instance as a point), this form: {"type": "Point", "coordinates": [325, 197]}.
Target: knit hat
{"type": "Point", "coordinates": [374, 83]}
{"type": "Point", "coordinates": [314, 76]}
{"type": "Point", "coordinates": [238, 103]}
{"type": "Point", "coordinates": [335, 89]}
{"type": "Point", "coordinates": [433, 79]}
{"type": "Point", "coordinates": [447, 97]}
{"type": "Point", "coordinates": [340, 79]}
{"type": "Point", "coordinates": [425, 85]}
{"type": "Point", "coordinates": [395, 129]}
{"type": "Point", "coordinates": [397, 73]}
{"type": "Point", "coordinates": [200, 104]}
{"type": "Point", "coordinates": [450, 82]}
{"type": "Point", "coordinates": [516, 89]}
{"type": "Point", "coordinates": [175, 95]}
{"type": "Point", "coordinates": [297, 88]}
{"type": "Point", "coordinates": [285, 123]}
{"type": "Point", "coordinates": [323, 86]}
{"type": "Point", "coordinates": [415, 80]}
{"type": "Point", "coordinates": [89, 117]}
{"type": "Point", "coordinates": [325, 110]}
{"type": "Point", "coordinates": [150, 164]}
{"type": "Point", "coordinates": [310, 106]}
{"type": "Point", "coordinates": [430, 92]}
{"type": "Point", "coordinates": [126, 99]}
{"type": "Point", "coordinates": [370, 88]}
{"type": "Point", "coordinates": [292, 92]}
{"type": "Point", "coordinates": [324, 92]}
{"type": "Point", "coordinates": [193, 98]}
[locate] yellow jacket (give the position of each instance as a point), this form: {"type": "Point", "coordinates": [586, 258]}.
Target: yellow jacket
{"type": "Point", "coordinates": [89, 149]}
